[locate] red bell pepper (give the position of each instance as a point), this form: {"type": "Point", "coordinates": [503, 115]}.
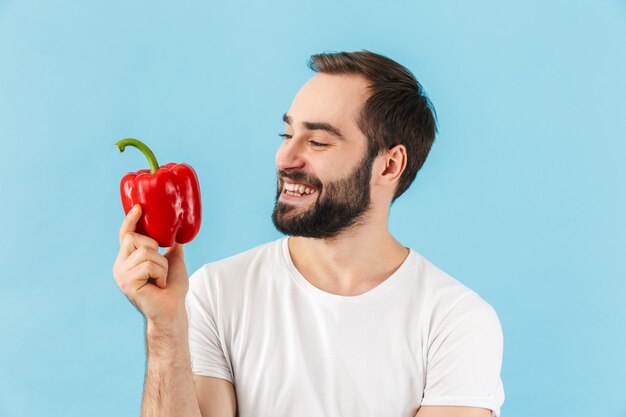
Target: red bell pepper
{"type": "Point", "coordinates": [169, 198]}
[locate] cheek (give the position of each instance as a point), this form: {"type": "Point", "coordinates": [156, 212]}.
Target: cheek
{"type": "Point", "coordinates": [337, 170]}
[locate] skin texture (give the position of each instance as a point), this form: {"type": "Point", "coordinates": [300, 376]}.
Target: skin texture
{"type": "Point", "coordinates": [354, 257]}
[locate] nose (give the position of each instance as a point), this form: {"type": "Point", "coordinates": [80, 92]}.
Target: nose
{"type": "Point", "coordinates": [290, 155]}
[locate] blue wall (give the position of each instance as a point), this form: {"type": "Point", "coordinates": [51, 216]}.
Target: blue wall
{"type": "Point", "coordinates": [522, 198]}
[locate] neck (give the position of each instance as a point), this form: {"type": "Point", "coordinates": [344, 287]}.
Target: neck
{"type": "Point", "coordinates": [352, 262]}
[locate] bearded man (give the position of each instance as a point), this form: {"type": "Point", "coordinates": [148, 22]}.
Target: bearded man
{"type": "Point", "coordinates": [337, 318]}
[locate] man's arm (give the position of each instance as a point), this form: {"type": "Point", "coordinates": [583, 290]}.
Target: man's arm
{"type": "Point", "coordinates": [157, 285]}
{"type": "Point", "coordinates": [216, 396]}
{"type": "Point", "coordinates": [170, 387]}
{"type": "Point", "coordinates": [449, 411]}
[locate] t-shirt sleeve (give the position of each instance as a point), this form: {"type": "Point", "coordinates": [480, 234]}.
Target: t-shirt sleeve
{"type": "Point", "coordinates": [205, 345]}
{"type": "Point", "coordinates": [465, 357]}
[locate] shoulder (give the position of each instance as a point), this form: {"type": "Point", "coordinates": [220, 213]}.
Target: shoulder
{"type": "Point", "coordinates": [447, 299]}
{"type": "Point", "coordinates": [438, 286]}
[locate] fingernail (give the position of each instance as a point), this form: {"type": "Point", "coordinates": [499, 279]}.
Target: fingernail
{"type": "Point", "coordinates": [135, 208]}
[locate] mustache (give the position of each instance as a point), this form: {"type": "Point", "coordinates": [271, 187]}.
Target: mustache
{"type": "Point", "coordinates": [299, 176]}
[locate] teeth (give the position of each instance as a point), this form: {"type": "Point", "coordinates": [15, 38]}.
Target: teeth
{"type": "Point", "coordinates": [298, 188]}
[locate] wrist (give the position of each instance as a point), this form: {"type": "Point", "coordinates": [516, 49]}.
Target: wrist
{"type": "Point", "coordinates": [167, 344]}
{"type": "Point", "coordinates": [169, 330]}
{"type": "Point", "coordinates": [169, 323]}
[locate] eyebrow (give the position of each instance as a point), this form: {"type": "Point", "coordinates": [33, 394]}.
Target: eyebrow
{"type": "Point", "coordinates": [327, 127]}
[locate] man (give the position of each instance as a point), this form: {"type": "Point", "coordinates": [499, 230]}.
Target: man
{"type": "Point", "coordinates": [338, 318]}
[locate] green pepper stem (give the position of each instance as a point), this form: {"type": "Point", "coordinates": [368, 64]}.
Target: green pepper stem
{"type": "Point", "coordinates": [122, 144]}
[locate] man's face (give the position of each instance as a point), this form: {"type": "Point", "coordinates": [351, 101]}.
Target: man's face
{"type": "Point", "coordinates": [323, 167]}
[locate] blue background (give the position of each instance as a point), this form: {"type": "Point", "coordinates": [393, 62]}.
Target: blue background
{"type": "Point", "coordinates": [522, 197]}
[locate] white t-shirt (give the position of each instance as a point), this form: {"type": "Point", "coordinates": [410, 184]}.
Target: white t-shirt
{"type": "Point", "coordinates": [290, 349]}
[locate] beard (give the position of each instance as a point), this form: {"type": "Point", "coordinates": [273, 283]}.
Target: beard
{"type": "Point", "coordinates": [339, 205]}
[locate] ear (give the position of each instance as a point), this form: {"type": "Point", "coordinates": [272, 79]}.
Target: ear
{"type": "Point", "coordinates": [394, 164]}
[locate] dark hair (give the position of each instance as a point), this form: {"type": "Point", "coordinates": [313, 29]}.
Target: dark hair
{"type": "Point", "coordinates": [396, 112]}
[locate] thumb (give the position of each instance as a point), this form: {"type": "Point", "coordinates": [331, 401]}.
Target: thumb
{"type": "Point", "coordinates": [174, 251]}
{"type": "Point", "coordinates": [177, 270]}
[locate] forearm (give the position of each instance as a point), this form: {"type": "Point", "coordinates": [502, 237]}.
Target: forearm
{"type": "Point", "coordinates": [169, 390]}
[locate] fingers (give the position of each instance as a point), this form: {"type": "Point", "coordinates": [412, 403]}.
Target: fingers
{"type": "Point", "coordinates": [144, 263]}
{"type": "Point", "coordinates": [144, 254]}
{"type": "Point", "coordinates": [130, 222]}
{"type": "Point", "coordinates": [148, 255]}
{"type": "Point", "coordinates": [138, 276]}
{"type": "Point", "coordinates": [138, 259]}
{"type": "Point", "coordinates": [129, 240]}
{"type": "Point", "coordinates": [133, 241]}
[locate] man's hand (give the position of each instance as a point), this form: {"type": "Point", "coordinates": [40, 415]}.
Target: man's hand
{"type": "Point", "coordinates": [156, 284]}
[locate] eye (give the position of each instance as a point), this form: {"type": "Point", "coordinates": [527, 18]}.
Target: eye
{"type": "Point", "coordinates": [312, 142]}
{"type": "Point", "coordinates": [321, 145]}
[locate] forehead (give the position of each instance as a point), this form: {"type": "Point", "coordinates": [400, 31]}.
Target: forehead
{"type": "Point", "coordinates": [335, 99]}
